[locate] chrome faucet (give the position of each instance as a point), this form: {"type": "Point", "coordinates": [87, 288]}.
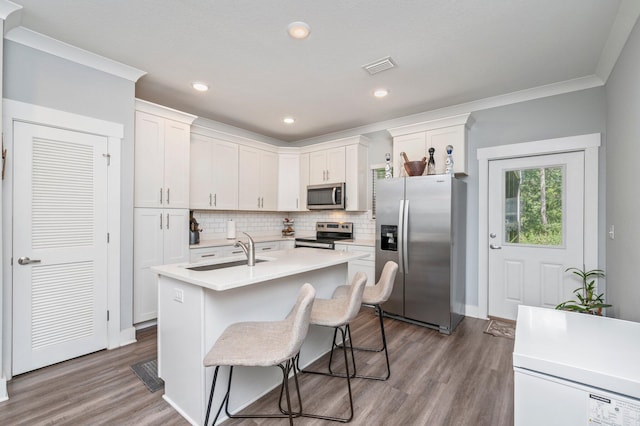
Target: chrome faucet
{"type": "Point", "coordinates": [249, 249]}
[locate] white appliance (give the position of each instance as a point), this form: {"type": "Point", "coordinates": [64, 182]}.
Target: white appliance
{"type": "Point", "coordinates": [575, 369]}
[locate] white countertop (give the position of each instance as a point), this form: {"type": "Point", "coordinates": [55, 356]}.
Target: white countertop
{"type": "Point", "coordinates": [358, 242]}
{"type": "Point", "coordinates": [280, 264]}
{"type": "Point", "coordinates": [596, 351]}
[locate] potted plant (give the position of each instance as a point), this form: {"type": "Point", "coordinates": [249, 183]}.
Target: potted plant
{"type": "Point", "coordinates": [588, 301]}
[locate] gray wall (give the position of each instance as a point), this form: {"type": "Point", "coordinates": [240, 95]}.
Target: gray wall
{"type": "Point", "coordinates": [570, 114]}
{"type": "Point", "coordinates": [39, 78]}
{"type": "Point", "coordinates": [623, 196]}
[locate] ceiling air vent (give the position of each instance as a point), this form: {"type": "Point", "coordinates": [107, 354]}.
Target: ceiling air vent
{"type": "Point", "coordinates": [379, 65]}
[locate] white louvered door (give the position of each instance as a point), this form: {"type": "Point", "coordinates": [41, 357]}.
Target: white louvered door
{"type": "Point", "coordinates": [60, 227]}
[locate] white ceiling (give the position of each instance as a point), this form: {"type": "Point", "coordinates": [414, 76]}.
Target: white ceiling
{"type": "Point", "coordinates": [447, 52]}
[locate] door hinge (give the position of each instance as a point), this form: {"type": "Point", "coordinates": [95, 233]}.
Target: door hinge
{"type": "Point", "coordinates": [107, 315]}
{"type": "Point", "coordinates": [108, 236]}
{"type": "Point", "coordinates": [108, 157]}
{"type": "Point", "coordinates": [4, 156]}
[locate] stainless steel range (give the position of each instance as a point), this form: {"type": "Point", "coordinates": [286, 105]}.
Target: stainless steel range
{"type": "Point", "coordinates": [326, 234]}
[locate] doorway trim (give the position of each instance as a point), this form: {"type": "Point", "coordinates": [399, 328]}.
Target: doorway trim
{"type": "Point", "coordinates": [114, 132]}
{"type": "Point", "coordinates": [589, 144]}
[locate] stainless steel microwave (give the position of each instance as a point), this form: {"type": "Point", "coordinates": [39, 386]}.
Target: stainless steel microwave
{"type": "Point", "coordinates": [330, 196]}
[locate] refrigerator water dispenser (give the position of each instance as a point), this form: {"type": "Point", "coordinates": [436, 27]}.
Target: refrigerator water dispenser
{"type": "Point", "coordinates": [389, 237]}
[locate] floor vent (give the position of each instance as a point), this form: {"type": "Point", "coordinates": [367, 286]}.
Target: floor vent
{"type": "Point", "coordinates": [379, 65]}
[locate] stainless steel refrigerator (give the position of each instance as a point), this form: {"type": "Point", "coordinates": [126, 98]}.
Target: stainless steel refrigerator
{"type": "Point", "coordinates": [421, 225]}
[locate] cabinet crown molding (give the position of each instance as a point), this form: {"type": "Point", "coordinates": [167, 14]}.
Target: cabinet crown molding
{"type": "Point", "coordinates": [351, 140]}
{"type": "Point", "coordinates": [455, 120]}
{"type": "Point", "coordinates": [165, 112]}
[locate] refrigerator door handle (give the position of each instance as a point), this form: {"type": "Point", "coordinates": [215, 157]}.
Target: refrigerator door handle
{"type": "Point", "coordinates": [405, 237]}
{"type": "Point", "coordinates": [400, 236]}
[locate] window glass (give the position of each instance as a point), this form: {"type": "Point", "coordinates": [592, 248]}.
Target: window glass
{"type": "Point", "coordinates": [533, 206]}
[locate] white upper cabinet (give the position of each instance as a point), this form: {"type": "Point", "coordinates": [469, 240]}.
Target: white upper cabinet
{"type": "Point", "coordinates": [258, 179]}
{"type": "Point", "coordinates": [304, 180]}
{"type": "Point", "coordinates": [342, 160]}
{"type": "Point", "coordinates": [289, 183]}
{"type": "Point", "coordinates": [415, 140]}
{"type": "Point", "coordinates": [213, 174]}
{"type": "Point", "coordinates": [161, 157]}
{"type": "Point", "coordinates": [356, 175]}
{"type": "Point", "coordinates": [327, 166]}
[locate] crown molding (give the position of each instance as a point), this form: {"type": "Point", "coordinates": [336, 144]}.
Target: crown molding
{"type": "Point", "coordinates": [163, 111]}
{"type": "Point", "coordinates": [553, 89]}
{"type": "Point", "coordinates": [7, 8]}
{"type": "Point", "coordinates": [456, 120]}
{"type": "Point", "coordinates": [71, 53]}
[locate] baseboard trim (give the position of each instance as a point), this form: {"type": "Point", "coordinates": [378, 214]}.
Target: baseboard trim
{"type": "Point", "coordinates": [472, 311]}
{"type": "Point", "coordinates": [127, 336]}
{"type": "Point", "coordinates": [4, 395]}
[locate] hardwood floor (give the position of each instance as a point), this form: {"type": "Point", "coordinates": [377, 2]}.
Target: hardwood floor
{"type": "Point", "coordinates": [462, 379]}
{"type": "Point", "coordinates": [96, 389]}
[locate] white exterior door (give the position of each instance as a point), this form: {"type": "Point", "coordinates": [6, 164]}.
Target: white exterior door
{"type": "Point", "coordinates": [59, 245]}
{"type": "Point", "coordinates": [536, 230]}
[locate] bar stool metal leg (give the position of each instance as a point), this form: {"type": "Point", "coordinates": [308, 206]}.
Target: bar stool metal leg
{"type": "Point", "coordinates": [347, 376]}
{"type": "Point", "coordinates": [383, 348]}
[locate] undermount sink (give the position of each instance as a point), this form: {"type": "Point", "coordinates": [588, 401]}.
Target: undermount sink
{"type": "Point", "coordinates": [222, 265]}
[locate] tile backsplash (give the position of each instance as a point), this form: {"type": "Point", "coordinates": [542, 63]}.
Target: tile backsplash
{"type": "Point", "coordinates": [214, 223]}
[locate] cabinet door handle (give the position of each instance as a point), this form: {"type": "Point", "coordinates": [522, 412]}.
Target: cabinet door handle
{"type": "Point", "coordinates": [324, 175]}
{"type": "Point", "coordinates": [210, 200]}
{"type": "Point", "coordinates": [160, 220]}
{"type": "Point", "coordinates": [167, 220]}
{"type": "Point", "coordinates": [297, 204]}
{"type": "Point", "coordinates": [262, 202]}
{"type": "Point", "coordinates": [168, 189]}
{"type": "Point", "coordinates": [265, 248]}
{"type": "Point", "coordinates": [258, 202]}
{"type": "Point", "coordinates": [160, 196]}
{"type": "Point", "coordinates": [327, 174]}
{"type": "Point", "coordinates": [209, 255]}
{"type": "Point", "coordinates": [215, 200]}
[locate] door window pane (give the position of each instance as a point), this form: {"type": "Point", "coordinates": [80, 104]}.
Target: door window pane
{"type": "Point", "coordinates": [533, 206]}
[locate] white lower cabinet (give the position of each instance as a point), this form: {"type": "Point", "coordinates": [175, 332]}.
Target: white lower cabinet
{"type": "Point", "coordinates": [287, 244]}
{"type": "Point", "coordinates": [366, 264]}
{"type": "Point", "coordinates": [160, 236]}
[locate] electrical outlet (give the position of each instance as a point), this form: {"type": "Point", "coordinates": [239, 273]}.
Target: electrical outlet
{"type": "Point", "coordinates": [178, 295]}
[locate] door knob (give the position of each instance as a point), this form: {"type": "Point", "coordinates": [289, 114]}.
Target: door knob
{"type": "Point", "coordinates": [494, 247]}
{"type": "Point", "coordinates": [25, 260]}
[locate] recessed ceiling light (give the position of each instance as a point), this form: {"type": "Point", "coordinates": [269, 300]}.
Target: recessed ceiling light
{"type": "Point", "coordinates": [299, 30]}
{"type": "Point", "coordinates": [288, 120]}
{"type": "Point", "coordinates": [380, 93]}
{"type": "Point", "coordinates": [200, 87]}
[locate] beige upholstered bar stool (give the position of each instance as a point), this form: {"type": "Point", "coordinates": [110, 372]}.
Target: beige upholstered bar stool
{"type": "Point", "coordinates": [375, 296]}
{"type": "Point", "coordinates": [263, 344]}
{"type": "Point", "coordinates": [338, 313]}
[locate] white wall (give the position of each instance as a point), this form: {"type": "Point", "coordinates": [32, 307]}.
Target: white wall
{"type": "Point", "coordinates": [623, 176]}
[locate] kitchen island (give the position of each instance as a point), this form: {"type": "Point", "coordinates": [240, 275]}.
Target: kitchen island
{"type": "Point", "coordinates": [195, 306]}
